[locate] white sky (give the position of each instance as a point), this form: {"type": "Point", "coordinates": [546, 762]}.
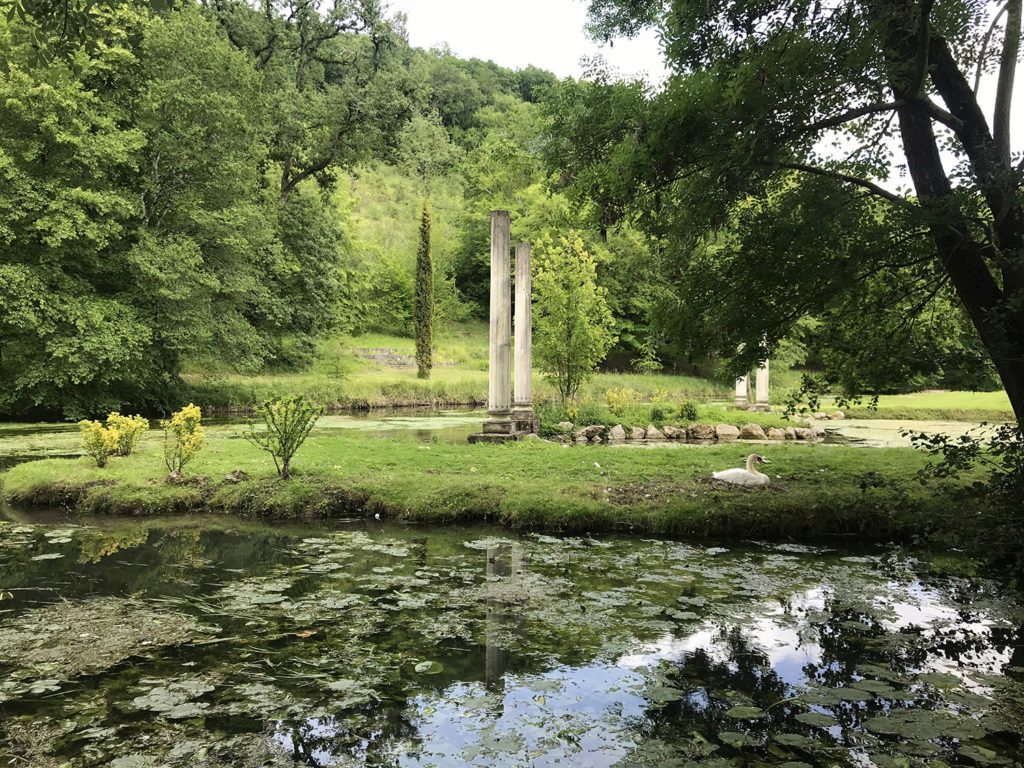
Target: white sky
{"type": "Point", "coordinates": [516, 33]}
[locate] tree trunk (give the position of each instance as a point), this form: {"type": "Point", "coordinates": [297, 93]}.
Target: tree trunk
{"type": "Point", "coordinates": [999, 323]}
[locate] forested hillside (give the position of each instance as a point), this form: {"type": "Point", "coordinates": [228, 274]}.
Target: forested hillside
{"type": "Point", "coordinates": [222, 186]}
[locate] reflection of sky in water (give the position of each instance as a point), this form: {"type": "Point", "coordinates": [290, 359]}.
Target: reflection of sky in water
{"type": "Point", "coordinates": [598, 714]}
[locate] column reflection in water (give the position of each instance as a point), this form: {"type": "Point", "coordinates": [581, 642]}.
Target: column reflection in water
{"type": "Point", "coordinates": [504, 562]}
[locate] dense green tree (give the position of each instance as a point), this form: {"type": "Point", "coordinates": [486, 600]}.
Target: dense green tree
{"type": "Point", "coordinates": [137, 229]}
{"type": "Point", "coordinates": [572, 323]}
{"type": "Point", "coordinates": [424, 313]}
{"type": "Point", "coordinates": [333, 78]}
{"type": "Point", "coordinates": [426, 151]}
{"type": "Point", "coordinates": [758, 91]}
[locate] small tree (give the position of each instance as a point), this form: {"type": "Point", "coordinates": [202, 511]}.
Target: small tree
{"type": "Point", "coordinates": [98, 441]}
{"type": "Point", "coordinates": [130, 430]}
{"type": "Point", "coordinates": [572, 322]}
{"type": "Point", "coordinates": [289, 422]}
{"type": "Point", "coordinates": [183, 437]}
{"type": "Point", "coordinates": [424, 312]}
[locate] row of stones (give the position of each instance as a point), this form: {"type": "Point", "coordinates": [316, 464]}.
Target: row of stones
{"type": "Point", "coordinates": [599, 432]}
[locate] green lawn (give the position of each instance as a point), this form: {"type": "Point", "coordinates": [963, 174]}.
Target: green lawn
{"type": "Point", "coordinates": [821, 490]}
{"type": "Point", "coordinates": [340, 378]}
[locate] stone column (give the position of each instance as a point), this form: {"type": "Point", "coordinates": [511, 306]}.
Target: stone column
{"type": "Point", "coordinates": [742, 385]}
{"type": "Point", "coordinates": [522, 398]}
{"type": "Point", "coordinates": [761, 404]}
{"type": "Point", "coordinates": [499, 395]}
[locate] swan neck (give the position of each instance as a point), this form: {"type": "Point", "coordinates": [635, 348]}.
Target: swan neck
{"type": "Point", "coordinates": [750, 463]}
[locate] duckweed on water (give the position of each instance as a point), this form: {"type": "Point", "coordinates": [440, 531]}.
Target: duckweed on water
{"type": "Point", "coordinates": [387, 646]}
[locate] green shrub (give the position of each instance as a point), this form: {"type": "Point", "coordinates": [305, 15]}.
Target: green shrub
{"type": "Point", "coordinates": [183, 437]}
{"type": "Point", "coordinates": [688, 411]}
{"type": "Point", "coordinates": [98, 441]}
{"type": "Point", "coordinates": [288, 422]}
{"type": "Point", "coordinates": [658, 413]}
{"type": "Point", "coordinates": [130, 430]}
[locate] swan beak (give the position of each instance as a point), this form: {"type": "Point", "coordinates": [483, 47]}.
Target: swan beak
{"type": "Point", "coordinates": [763, 460]}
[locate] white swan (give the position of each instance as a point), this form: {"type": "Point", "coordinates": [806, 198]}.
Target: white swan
{"type": "Point", "coordinates": [748, 476]}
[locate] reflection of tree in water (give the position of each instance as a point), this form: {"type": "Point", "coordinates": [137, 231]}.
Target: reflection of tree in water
{"type": "Point", "coordinates": [95, 547]}
{"type": "Point", "coordinates": [364, 736]}
{"type": "Point", "coordinates": [370, 734]}
{"type": "Point", "coordinates": [854, 646]}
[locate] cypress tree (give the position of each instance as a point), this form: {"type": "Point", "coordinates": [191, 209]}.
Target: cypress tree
{"type": "Point", "coordinates": [424, 310]}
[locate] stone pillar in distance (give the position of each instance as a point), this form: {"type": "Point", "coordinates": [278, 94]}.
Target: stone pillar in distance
{"type": "Point", "coordinates": [742, 385]}
{"type": "Point", "coordinates": [499, 394]}
{"type": "Point", "coordinates": [522, 397]}
{"type": "Point", "coordinates": [761, 404]}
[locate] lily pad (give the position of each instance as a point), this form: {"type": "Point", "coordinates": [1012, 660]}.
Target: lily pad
{"type": "Point", "coordinates": [746, 713]}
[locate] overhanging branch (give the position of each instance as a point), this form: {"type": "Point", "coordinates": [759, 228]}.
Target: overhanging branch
{"type": "Point", "coordinates": [873, 188]}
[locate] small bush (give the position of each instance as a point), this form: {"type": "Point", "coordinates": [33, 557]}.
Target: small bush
{"type": "Point", "coordinates": [688, 411]}
{"type": "Point", "coordinates": [183, 437]}
{"type": "Point", "coordinates": [130, 430]}
{"type": "Point", "coordinates": [620, 400]}
{"type": "Point", "coordinates": [288, 421]}
{"type": "Point", "coordinates": [658, 413]}
{"type": "Point", "coordinates": [98, 441]}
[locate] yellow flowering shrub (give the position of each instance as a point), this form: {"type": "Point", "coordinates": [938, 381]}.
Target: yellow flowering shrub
{"type": "Point", "coordinates": [130, 430]}
{"type": "Point", "coordinates": [620, 400]}
{"type": "Point", "coordinates": [98, 441]}
{"type": "Point", "coordinates": [183, 437]}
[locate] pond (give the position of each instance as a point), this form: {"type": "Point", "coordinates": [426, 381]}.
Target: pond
{"type": "Point", "coordinates": [215, 642]}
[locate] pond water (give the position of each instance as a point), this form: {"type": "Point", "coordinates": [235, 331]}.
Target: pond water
{"type": "Point", "coordinates": [213, 642]}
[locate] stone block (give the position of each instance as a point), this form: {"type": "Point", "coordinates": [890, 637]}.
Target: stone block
{"type": "Point", "coordinates": [790, 433]}
{"type": "Point", "coordinates": [673, 433]}
{"type": "Point", "coordinates": [637, 433]}
{"type": "Point", "coordinates": [701, 432]}
{"type": "Point", "coordinates": [727, 432]}
{"type": "Point", "coordinates": [774, 433]}
{"type": "Point", "coordinates": [617, 434]}
{"type": "Point", "coordinates": [752, 432]}
{"type": "Point", "coordinates": [803, 433]}
{"type": "Point", "coordinates": [653, 433]}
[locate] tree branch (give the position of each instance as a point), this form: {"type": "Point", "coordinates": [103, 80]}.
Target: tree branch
{"type": "Point", "coordinates": [921, 65]}
{"type": "Point", "coordinates": [984, 48]}
{"type": "Point", "coordinates": [876, 190]}
{"type": "Point", "coordinates": [1004, 88]}
{"type": "Point", "coordinates": [853, 114]}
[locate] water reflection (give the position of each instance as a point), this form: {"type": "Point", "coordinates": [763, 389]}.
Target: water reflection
{"type": "Point", "coordinates": [374, 645]}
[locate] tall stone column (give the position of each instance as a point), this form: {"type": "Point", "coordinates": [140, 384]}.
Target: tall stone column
{"type": "Point", "coordinates": [742, 385]}
{"type": "Point", "coordinates": [499, 395]}
{"type": "Point", "coordinates": [761, 404]}
{"type": "Point", "coordinates": [522, 396]}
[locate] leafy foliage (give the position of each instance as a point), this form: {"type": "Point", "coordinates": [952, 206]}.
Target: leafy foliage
{"type": "Point", "coordinates": [130, 430]}
{"type": "Point", "coordinates": [572, 323]}
{"type": "Point", "coordinates": [183, 437]}
{"type": "Point", "coordinates": [288, 422]}
{"type": "Point", "coordinates": [98, 441]}
{"type": "Point", "coordinates": [736, 136]}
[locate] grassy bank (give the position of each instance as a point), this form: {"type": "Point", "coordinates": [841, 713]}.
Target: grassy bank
{"type": "Point", "coordinates": [345, 376]}
{"type": "Point", "coordinates": [820, 491]}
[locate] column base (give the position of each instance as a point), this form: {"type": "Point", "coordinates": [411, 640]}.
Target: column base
{"type": "Point", "coordinates": [495, 437]}
{"type": "Point", "coordinates": [741, 403]}
{"type": "Point", "coordinates": [762, 408]}
{"type": "Point", "coordinates": [499, 423]}
{"type": "Point", "coordinates": [525, 420]}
